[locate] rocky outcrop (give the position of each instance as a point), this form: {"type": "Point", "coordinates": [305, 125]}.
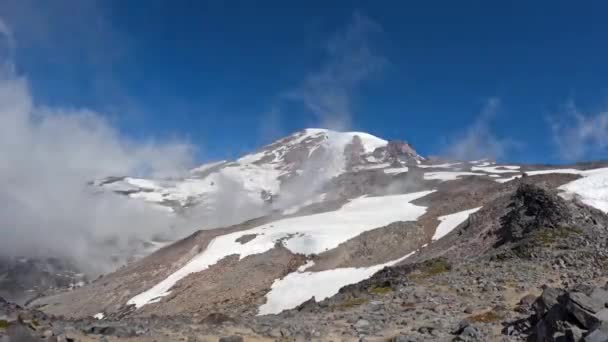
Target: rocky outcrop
{"type": "Point", "coordinates": [579, 314]}
{"type": "Point", "coordinates": [397, 152]}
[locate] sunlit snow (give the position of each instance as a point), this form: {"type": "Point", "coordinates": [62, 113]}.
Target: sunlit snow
{"type": "Point", "coordinates": [311, 234]}
{"type": "Point", "coordinates": [298, 287]}
{"type": "Point", "coordinates": [592, 189]}
{"type": "Point", "coordinates": [496, 168]}
{"type": "Point", "coordinates": [451, 221]}
{"type": "Point", "coordinates": [449, 175]}
{"type": "Point", "coordinates": [395, 170]}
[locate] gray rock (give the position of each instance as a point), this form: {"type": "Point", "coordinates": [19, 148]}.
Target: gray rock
{"type": "Point", "coordinates": [361, 323]}
{"type": "Point", "coordinates": [402, 338]}
{"type": "Point", "coordinates": [469, 333]}
{"type": "Point", "coordinates": [602, 315]}
{"type": "Point", "coordinates": [585, 302]}
{"type": "Point", "coordinates": [600, 334]}
{"type": "Point", "coordinates": [599, 296]}
{"type": "Point", "coordinates": [574, 334]}
{"type": "Point", "coordinates": [586, 318]}
{"type": "Point", "coordinates": [232, 338]}
{"type": "Point", "coordinates": [547, 300]}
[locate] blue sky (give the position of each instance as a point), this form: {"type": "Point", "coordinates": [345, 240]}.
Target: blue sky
{"type": "Point", "coordinates": [229, 76]}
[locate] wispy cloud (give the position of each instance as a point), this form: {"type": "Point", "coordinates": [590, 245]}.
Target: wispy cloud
{"type": "Point", "coordinates": [328, 92]}
{"type": "Point", "coordinates": [577, 135]}
{"type": "Point", "coordinates": [478, 140]}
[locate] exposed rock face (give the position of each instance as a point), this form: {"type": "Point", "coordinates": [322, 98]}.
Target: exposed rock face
{"type": "Point", "coordinates": [353, 152]}
{"type": "Point", "coordinates": [579, 314]}
{"type": "Point", "coordinates": [400, 151]}
{"type": "Point", "coordinates": [533, 208]}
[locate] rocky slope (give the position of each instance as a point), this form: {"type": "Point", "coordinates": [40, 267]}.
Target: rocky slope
{"type": "Point", "coordinates": [383, 244]}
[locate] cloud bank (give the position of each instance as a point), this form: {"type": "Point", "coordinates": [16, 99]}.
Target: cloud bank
{"type": "Point", "coordinates": [47, 157]}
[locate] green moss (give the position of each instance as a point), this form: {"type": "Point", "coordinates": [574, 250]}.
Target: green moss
{"type": "Point", "coordinates": [351, 302]}
{"type": "Point", "coordinates": [549, 236]}
{"type": "Point", "coordinates": [486, 317]}
{"type": "Point", "coordinates": [431, 268]}
{"type": "Point", "coordinates": [380, 290]}
{"type": "Point", "coordinates": [3, 324]}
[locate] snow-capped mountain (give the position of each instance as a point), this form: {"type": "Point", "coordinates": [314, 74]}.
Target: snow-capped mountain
{"type": "Point", "coordinates": [315, 155]}
{"type": "Point", "coordinates": [317, 212]}
{"type": "Point", "coordinates": [332, 209]}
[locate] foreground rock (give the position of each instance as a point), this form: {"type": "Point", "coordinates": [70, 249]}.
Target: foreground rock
{"type": "Point", "coordinates": [579, 314]}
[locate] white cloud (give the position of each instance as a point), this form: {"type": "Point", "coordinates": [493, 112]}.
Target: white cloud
{"type": "Point", "coordinates": [47, 156]}
{"type": "Point", "coordinates": [351, 60]}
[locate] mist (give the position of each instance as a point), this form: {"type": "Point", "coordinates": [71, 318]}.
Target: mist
{"type": "Point", "coordinates": [577, 134]}
{"type": "Point", "coordinates": [478, 140]}
{"type": "Point", "coordinates": [48, 156]}
{"type": "Point", "coordinates": [328, 93]}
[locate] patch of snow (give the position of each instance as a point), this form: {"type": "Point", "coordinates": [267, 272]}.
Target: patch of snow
{"type": "Point", "coordinates": [298, 287]}
{"type": "Point", "coordinates": [451, 221]}
{"type": "Point", "coordinates": [371, 167]}
{"type": "Point", "coordinates": [592, 189]}
{"type": "Point", "coordinates": [310, 234]}
{"type": "Point", "coordinates": [142, 183]}
{"type": "Point", "coordinates": [308, 264]}
{"type": "Point", "coordinates": [482, 162]}
{"type": "Point", "coordinates": [99, 315]}
{"type": "Point", "coordinates": [495, 169]}
{"type": "Point", "coordinates": [443, 166]}
{"type": "Point", "coordinates": [504, 180]}
{"type": "Point", "coordinates": [395, 170]}
{"type": "Point", "coordinates": [148, 196]}
{"type": "Point", "coordinates": [449, 175]}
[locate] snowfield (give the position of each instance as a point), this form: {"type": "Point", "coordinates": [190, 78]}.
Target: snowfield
{"type": "Point", "coordinates": [395, 170]}
{"type": "Point", "coordinates": [451, 221]}
{"type": "Point", "coordinates": [443, 166]}
{"type": "Point", "coordinates": [298, 287]}
{"type": "Point", "coordinates": [311, 234]}
{"type": "Point", "coordinates": [592, 189]}
{"type": "Point", "coordinates": [495, 169]}
{"type": "Point", "coordinates": [449, 175]}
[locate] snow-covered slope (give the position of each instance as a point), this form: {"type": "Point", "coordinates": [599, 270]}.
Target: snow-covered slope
{"type": "Point", "coordinates": [311, 156]}
{"type": "Point", "coordinates": [312, 234]}
{"type": "Point", "coordinates": [330, 208]}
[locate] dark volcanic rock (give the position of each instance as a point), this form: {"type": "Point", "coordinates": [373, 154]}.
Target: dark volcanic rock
{"type": "Point", "coordinates": [533, 208]}
{"type": "Point", "coordinates": [572, 314]}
